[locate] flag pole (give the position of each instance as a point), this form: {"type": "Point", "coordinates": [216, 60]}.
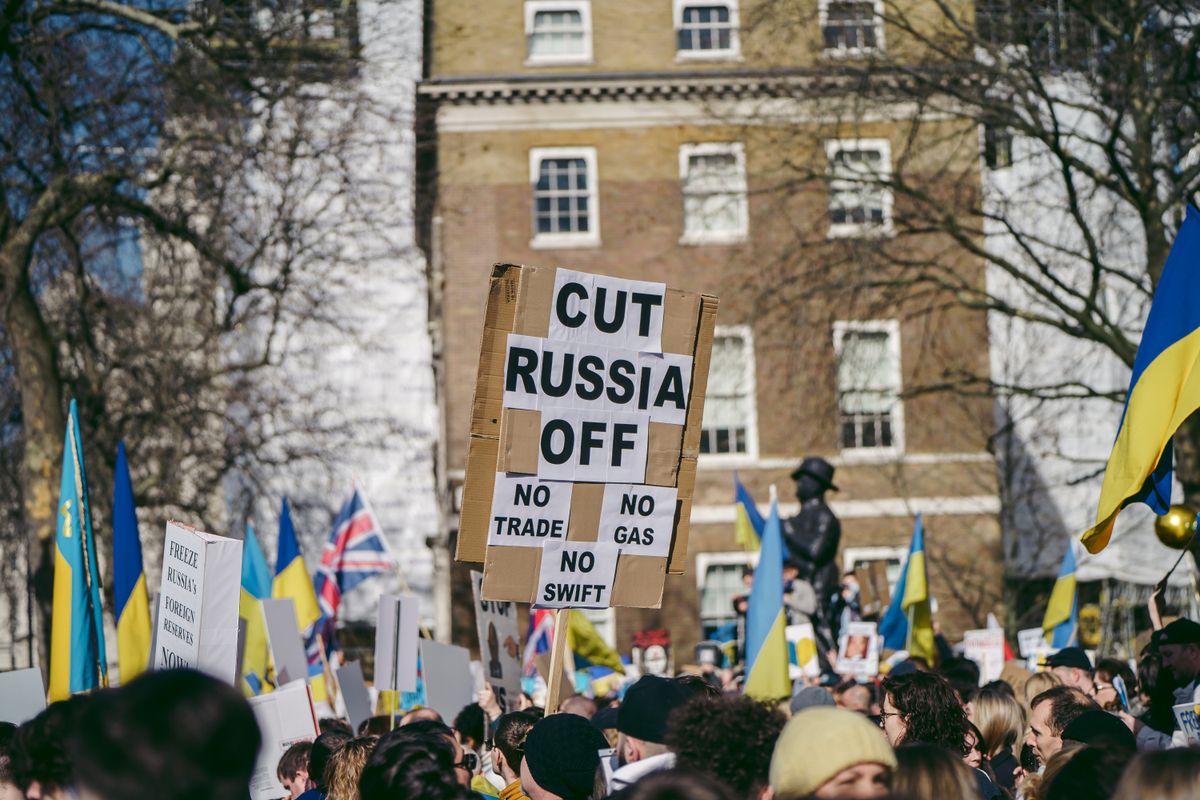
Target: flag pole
{"type": "Point", "coordinates": [562, 621]}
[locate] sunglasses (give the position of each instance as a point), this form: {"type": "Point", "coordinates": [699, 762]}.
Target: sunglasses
{"type": "Point", "coordinates": [469, 763]}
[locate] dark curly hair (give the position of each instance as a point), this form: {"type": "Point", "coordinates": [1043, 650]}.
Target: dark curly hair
{"type": "Point", "coordinates": [411, 767]}
{"type": "Point", "coordinates": [930, 709]}
{"type": "Point", "coordinates": [728, 738]}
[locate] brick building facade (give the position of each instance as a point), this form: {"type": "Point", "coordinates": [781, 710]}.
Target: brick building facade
{"type": "Point", "coordinates": [717, 147]}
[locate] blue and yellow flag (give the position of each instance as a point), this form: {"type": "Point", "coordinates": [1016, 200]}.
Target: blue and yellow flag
{"type": "Point", "coordinates": [908, 622]}
{"type": "Point", "coordinates": [131, 602]}
{"type": "Point", "coordinates": [78, 662]}
{"type": "Point", "coordinates": [766, 640]}
{"type": "Point", "coordinates": [292, 580]}
{"type": "Point", "coordinates": [1062, 612]}
{"type": "Point", "coordinates": [1164, 390]}
{"type": "Point", "coordinates": [748, 526]}
{"type": "Point", "coordinates": [256, 586]}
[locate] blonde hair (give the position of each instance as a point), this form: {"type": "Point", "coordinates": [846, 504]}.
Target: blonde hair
{"type": "Point", "coordinates": [1161, 775]}
{"type": "Point", "coordinates": [345, 766]}
{"type": "Point", "coordinates": [1000, 719]}
{"type": "Point", "coordinates": [1039, 682]}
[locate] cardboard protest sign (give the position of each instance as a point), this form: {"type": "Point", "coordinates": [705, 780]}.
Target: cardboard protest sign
{"type": "Point", "coordinates": [198, 598]}
{"type": "Point", "coordinates": [447, 671]}
{"type": "Point", "coordinates": [585, 430]}
{"type": "Point", "coordinates": [396, 634]}
{"type": "Point", "coordinates": [986, 648]}
{"type": "Point", "coordinates": [499, 644]}
{"type": "Point", "coordinates": [652, 652]}
{"type": "Point", "coordinates": [284, 717]}
{"type": "Point", "coordinates": [1188, 721]}
{"type": "Point", "coordinates": [355, 694]}
{"type": "Point", "coordinates": [283, 636]}
{"type": "Point", "coordinates": [577, 575]}
{"type": "Point", "coordinates": [858, 653]}
{"type": "Point", "coordinates": [802, 651]}
{"type": "Point", "coordinates": [22, 695]}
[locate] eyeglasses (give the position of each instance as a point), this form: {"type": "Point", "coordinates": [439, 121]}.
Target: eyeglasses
{"type": "Point", "coordinates": [469, 763]}
{"type": "Point", "coordinates": [883, 715]}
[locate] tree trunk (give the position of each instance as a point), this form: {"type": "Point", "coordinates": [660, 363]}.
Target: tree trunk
{"type": "Point", "coordinates": [43, 430]}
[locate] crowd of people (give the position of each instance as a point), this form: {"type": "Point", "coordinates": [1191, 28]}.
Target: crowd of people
{"type": "Point", "coordinates": [1067, 733]}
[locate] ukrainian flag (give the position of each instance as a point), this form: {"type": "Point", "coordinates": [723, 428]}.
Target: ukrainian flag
{"type": "Point", "coordinates": [256, 586]}
{"type": "Point", "coordinates": [1062, 612]}
{"type": "Point", "coordinates": [748, 526]}
{"type": "Point", "coordinates": [766, 641]}
{"type": "Point", "coordinates": [131, 602]}
{"type": "Point", "coordinates": [292, 580]}
{"type": "Point", "coordinates": [1164, 390]}
{"type": "Point", "coordinates": [77, 659]}
{"type": "Point", "coordinates": [908, 623]}
{"type": "Point", "coordinates": [586, 643]}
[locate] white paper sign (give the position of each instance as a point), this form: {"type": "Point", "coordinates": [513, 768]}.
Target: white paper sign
{"type": "Point", "coordinates": [499, 644]}
{"type": "Point", "coordinates": [985, 647]}
{"type": "Point", "coordinates": [354, 693]}
{"type": "Point", "coordinates": [527, 511]}
{"type": "Point", "coordinates": [284, 717]}
{"type": "Point", "coordinates": [576, 575]}
{"type": "Point", "coordinates": [540, 373]}
{"type": "Point", "coordinates": [447, 673]}
{"type": "Point", "coordinates": [638, 518]}
{"type": "Point", "coordinates": [597, 309]}
{"type": "Point", "coordinates": [1188, 721]}
{"type": "Point", "coordinates": [22, 695]}
{"type": "Point", "coordinates": [198, 603]}
{"type": "Point", "coordinates": [593, 446]}
{"type": "Point", "coordinates": [283, 635]}
{"type": "Point", "coordinates": [803, 639]}
{"type": "Point", "coordinates": [1031, 640]}
{"type": "Point", "coordinates": [858, 654]}
{"type": "Point", "coordinates": [396, 634]}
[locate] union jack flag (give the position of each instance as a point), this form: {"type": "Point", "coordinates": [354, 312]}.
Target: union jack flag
{"type": "Point", "coordinates": [355, 551]}
{"type": "Point", "coordinates": [541, 638]}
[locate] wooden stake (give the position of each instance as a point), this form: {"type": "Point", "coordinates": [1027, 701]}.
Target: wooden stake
{"type": "Point", "coordinates": [331, 684]}
{"type": "Point", "coordinates": [562, 619]}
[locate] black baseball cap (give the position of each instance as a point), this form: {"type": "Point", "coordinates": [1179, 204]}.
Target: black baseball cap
{"type": "Point", "coordinates": [647, 704]}
{"type": "Point", "coordinates": [1070, 657]}
{"type": "Point", "coordinates": [1181, 631]}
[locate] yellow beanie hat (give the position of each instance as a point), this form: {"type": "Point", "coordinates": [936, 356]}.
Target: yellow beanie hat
{"type": "Point", "coordinates": [820, 742]}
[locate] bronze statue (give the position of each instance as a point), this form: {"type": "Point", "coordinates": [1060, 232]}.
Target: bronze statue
{"type": "Point", "coordinates": [812, 538]}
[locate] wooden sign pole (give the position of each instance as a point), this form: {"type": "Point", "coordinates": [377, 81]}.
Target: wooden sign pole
{"type": "Point", "coordinates": [562, 619]}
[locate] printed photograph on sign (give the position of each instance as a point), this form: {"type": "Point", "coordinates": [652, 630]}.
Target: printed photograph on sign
{"type": "Point", "coordinates": [593, 446]}
{"type": "Point", "coordinates": [858, 651]}
{"type": "Point", "coordinates": [638, 518]}
{"type": "Point", "coordinates": [576, 575]}
{"type": "Point", "coordinates": [597, 309]}
{"type": "Point", "coordinates": [528, 512]}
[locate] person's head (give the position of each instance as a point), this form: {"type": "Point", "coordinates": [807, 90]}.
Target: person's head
{"type": "Point", "coordinates": [831, 754]}
{"type": "Point", "coordinates": [1179, 646]}
{"type": "Point", "coordinates": [561, 758]}
{"type": "Point", "coordinates": [405, 766]}
{"type": "Point", "coordinates": [1053, 710]}
{"type": "Point", "coordinates": [730, 738]}
{"type": "Point", "coordinates": [1073, 668]}
{"type": "Point", "coordinates": [40, 764]}
{"type": "Point", "coordinates": [470, 725]}
{"type": "Point", "coordinates": [8, 785]}
{"type": "Point", "coordinates": [1100, 729]}
{"type": "Point", "coordinates": [923, 707]}
{"type": "Point", "coordinates": [420, 715]}
{"type": "Point", "coordinates": [345, 766]}
{"type": "Point", "coordinates": [1104, 692]}
{"type": "Point", "coordinates": [292, 769]}
{"type": "Point", "coordinates": [931, 772]}
{"type": "Point", "coordinates": [963, 675]}
{"type": "Point", "coordinates": [1038, 682]}
{"type": "Point", "coordinates": [677, 784]}
{"type": "Point", "coordinates": [318, 757]}
{"type": "Point", "coordinates": [511, 730]}
{"type": "Point", "coordinates": [579, 705]}
{"type": "Point", "coordinates": [1161, 775]}
{"type": "Point", "coordinates": [642, 716]}
{"type": "Point", "coordinates": [438, 733]}
{"type": "Point", "coordinates": [1085, 773]}
{"type": "Point", "coordinates": [856, 697]}
{"type": "Point", "coordinates": [999, 718]}
{"type": "Point", "coordinates": [810, 696]}
{"type": "Point", "coordinates": [975, 754]}
{"type": "Point", "coordinates": [334, 724]}
{"type": "Point", "coordinates": [166, 734]}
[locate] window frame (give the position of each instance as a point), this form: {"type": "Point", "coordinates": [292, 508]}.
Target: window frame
{"type": "Point", "coordinates": [732, 53]}
{"type": "Point", "coordinates": [714, 459]}
{"type": "Point", "coordinates": [852, 52]}
{"type": "Point", "coordinates": [561, 240]}
{"type": "Point", "coordinates": [583, 7]}
{"type": "Point", "coordinates": [738, 151]}
{"type": "Point", "coordinates": [860, 230]}
{"type": "Point", "coordinates": [892, 328]}
{"type": "Point", "coordinates": [719, 558]}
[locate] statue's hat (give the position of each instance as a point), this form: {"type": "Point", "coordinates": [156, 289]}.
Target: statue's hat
{"type": "Point", "coordinates": [816, 467]}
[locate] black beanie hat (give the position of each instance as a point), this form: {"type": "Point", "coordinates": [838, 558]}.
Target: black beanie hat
{"type": "Point", "coordinates": [647, 704]}
{"type": "Point", "coordinates": [562, 753]}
